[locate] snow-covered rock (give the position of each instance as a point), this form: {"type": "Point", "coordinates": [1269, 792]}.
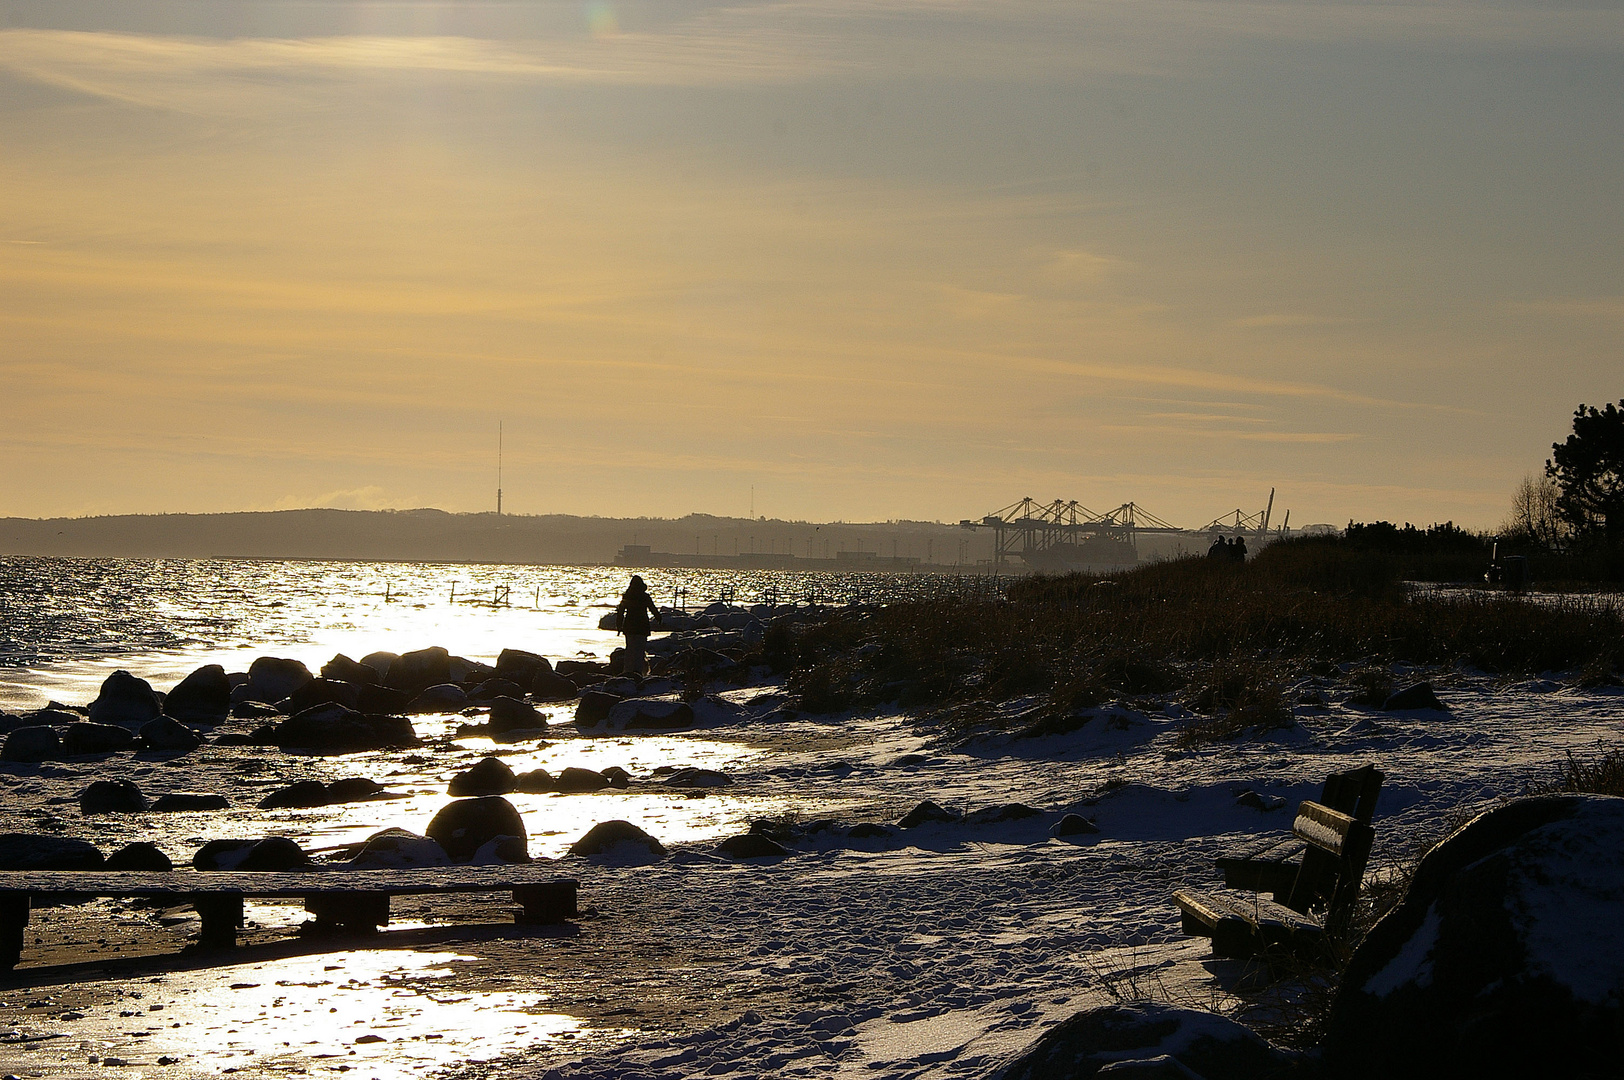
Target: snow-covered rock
{"type": "Point", "coordinates": [465, 826]}
{"type": "Point", "coordinates": [1146, 1040]}
{"type": "Point", "coordinates": [1506, 957]}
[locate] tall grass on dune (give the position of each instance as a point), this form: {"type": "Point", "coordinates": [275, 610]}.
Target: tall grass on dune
{"type": "Point", "coordinates": [1182, 626]}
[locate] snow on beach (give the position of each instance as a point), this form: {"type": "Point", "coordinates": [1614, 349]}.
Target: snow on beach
{"type": "Point", "coordinates": [932, 951]}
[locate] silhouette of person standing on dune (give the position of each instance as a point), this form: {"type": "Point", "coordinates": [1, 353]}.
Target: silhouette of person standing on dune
{"type": "Point", "coordinates": [631, 619]}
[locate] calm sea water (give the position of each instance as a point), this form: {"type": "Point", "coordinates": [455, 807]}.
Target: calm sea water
{"type": "Point", "coordinates": [66, 623]}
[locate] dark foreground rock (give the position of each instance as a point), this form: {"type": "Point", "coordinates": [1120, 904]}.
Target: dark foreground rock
{"type": "Point", "coordinates": [186, 801]}
{"type": "Point", "coordinates": [270, 679]}
{"type": "Point", "coordinates": [650, 714]}
{"type": "Point", "coordinates": [26, 851]}
{"type": "Point", "coordinates": [487, 828]}
{"type": "Point", "coordinates": [751, 845]}
{"type": "Point", "coordinates": [510, 714]}
{"type": "Point", "coordinates": [271, 854]}
{"type": "Point", "coordinates": [167, 736]}
{"type": "Point", "coordinates": [335, 728]}
{"type": "Point", "coordinates": [1505, 958]}
{"type": "Point", "coordinates": [342, 669]}
{"type": "Point", "coordinates": [1419, 696]}
{"type": "Point", "coordinates": [140, 855]}
{"type": "Point", "coordinates": [124, 699]}
{"type": "Point", "coordinates": [203, 697]}
{"type": "Point", "coordinates": [925, 813]}
{"type": "Point", "coordinates": [112, 797]}
{"type": "Point", "coordinates": [491, 776]}
{"type": "Point", "coordinates": [304, 794]}
{"type": "Point", "coordinates": [415, 672]}
{"type": "Point", "coordinates": [32, 745]}
{"type": "Point", "coordinates": [604, 837]}
{"type": "Point", "coordinates": [397, 849]}
{"type": "Point", "coordinates": [1147, 1041]}
{"type": "Point", "coordinates": [574, 780]}
{"type": "Point", "coordinates": [1073, 825]}
{"type": "Point", "coordinates": [84, 739]}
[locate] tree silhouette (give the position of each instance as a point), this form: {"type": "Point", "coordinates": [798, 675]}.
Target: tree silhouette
{"type": "Point", "coordinates": [1589, 470]}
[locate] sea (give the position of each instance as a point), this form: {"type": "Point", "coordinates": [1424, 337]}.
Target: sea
{"type": "Point", "coordinates": [66, 624]}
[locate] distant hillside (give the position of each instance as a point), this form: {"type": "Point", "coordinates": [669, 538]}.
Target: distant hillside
{"type": "Point", "coordinates": [437, 536]}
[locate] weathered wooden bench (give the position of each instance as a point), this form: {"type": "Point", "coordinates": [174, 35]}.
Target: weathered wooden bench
{"type": "Point", "coordinates": [1273, 867]}
{"type": "Point", "coordinates": [1320, 897]}
{"type": "Point", "coordinates": [339, 899]}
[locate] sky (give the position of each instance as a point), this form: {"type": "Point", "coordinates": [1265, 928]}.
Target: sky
{"type": "Point", "coordinates": [822, 259]}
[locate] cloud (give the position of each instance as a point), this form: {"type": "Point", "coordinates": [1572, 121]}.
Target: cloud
{"type": "Point", "coordinates": [371, 497]}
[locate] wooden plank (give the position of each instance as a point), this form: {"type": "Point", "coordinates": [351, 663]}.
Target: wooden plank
{"type": "Point", "coordinates": [1323, 827]}
{"type": "Point", "coordinates": [290, 884]}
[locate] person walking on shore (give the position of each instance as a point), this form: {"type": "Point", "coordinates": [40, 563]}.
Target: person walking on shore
{"type": "Point", "coordinates": [631, 619]}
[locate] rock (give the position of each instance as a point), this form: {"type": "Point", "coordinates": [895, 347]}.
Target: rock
{"type": "Point", "coordinates": [617, 777]}
{"type": "Point", "coordinates": [491, 689]}
{"type": "Point", "coordinates": [465, 826]}
{"type": "Point", "coordinates": [1419, 696]}
{"type": "Point", "coordinates": [380, 662]}
{"type": "Point", "coordinates": [692, 777]}
{"type": "Point", "coordinates": [534, 782]}
{"type": "Point", "coordinates": [323, 692]}
{"type": "Point", "coordinates": [203, 697]}
{"type": "Point", "coordinates": [415, 672]}
{"type": "Point", "coordinates": [521, 667]}
{"type": "Point", "coordinates": [185, 801]}
{"type": "Point", "coordinates": [1146, 1040]}
{"type": "Point", "coordinates": [274, 853]}
{"type": "Point", "coordinates": [650, 714]}
{"type": "Point", "coordinates": [594, 706]}
{"type": "Point", "coordinates": [1073, 825]}
{"type": "Point", "coordinates": [124, 699]}
{"type": "Point", "coordinates": [510, 714]}
{"type": "Point", "coordinates": [32, 745]}
{"type": "Point", "coordinates": [551, 686]}
{"type": "Point", "coordinates": [1256, 800]}
{"type": "Point", "coordinates": [86, 738]}
{"type": "Point", "coordinates": [337, 729]}
{"type": "Point", "coordinates": [271, 679]}
{"type": "Point", "coordinates": [253, 710]}
{"type": "Point", "coordinates": [342, 669]}
{"type": "Point", "coordinates": [577, 670]}
{"type": "Point", "coordinates": [751, 845]}
{"type": "Point", "coordinates": [575, 780]}
{"type": "Point", "coordinates": [605, 836]}
{"type": "Point", "coordinates": [396, 849]}
{"type": "Point", "coordinates": [1503, 959]}
{"type": "Point", "coordinates": [26, 851]}
{"type": "Point", "coordinates": [463, 670]}
{"type": "Point", "coordinates": [112, 797]}
{"type": "Point", "coordinates": [491, 776]}
{"type": "Point", "coordinates": [167, 736]}
{"type": "Point", "coordinates": [353, 789]}
{"type": "Point", "coordinates": [990, 815]}
{"type": "Point", "coordinates": [441, 698]}
{"type": "Point", "coordinates": [381, 699]}
{"type": "Point", "coordinates": [926, 811]}
{"type": "Point", "coordinates": [868, 830]}
{"type": "Point", "coordinates": [501, 849]}
{"type": "Point", "coordinates": [301, 795]}
{"type": "Point", "coordinates": [140, 855]}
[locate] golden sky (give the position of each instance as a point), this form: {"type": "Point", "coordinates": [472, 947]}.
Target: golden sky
{"type": "Point", "coordinates": [906, 259]}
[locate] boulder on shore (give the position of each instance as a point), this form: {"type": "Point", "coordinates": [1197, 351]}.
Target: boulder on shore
{"type": "Point", "coordinates": [464, 827]}
{"type": "Point", "coordinates": [649, 714]}
{"type": "Point", "coordinates": [270, 679]}
{"type": "Point", "coordinates": [323, 691]}
{"type": "Point", "coordinates": [440, 698]}
{"type": "Point", "coordinates": [32, 745]}
{"type": "Point", "coordinates": [551, 686]}
{"type": "Point", "coordinates": [185, 801]}
{"type": "Point", "coordinates": [534, 782]}
{"type": "Point", "coordinates": [398, 849]}
{"type": "Point", "coordinates": [521, 667]}
{"type": "Point", "coordinates": [491, 776]}
{"type": "Point", "coordinates": [604, 837]}
{"type": "Point", "coordinates": [342, 669]}
{"type": "Point", "coordinates": [333, 728]}
{"type": "Point", "coordinates": [1147, 1040]}
{"type": "Point", "coordinates": [28, 851]}
{"type": "Point", "coordinates": [301, 795]}
{"type": "Point", "coordinates": [415, 672]}
{"type": "Point", "coordinates": [203, 697]}
{"type": "Point", "coordinates": [1505, 958]}
{"type": "Point", "coordinates": [926, 813]}
{"type": "Point", "coordinates": [167, 736]}
{"type": "Point", "coordinates": [124, 699]}
{"type": "Point", "coordinates": [491, 689]}
{"type": "Point", "coordinates": [751, 845]}
{"type": "Point", "coordinates": [574, 780]}
{"type": "Point", "coordinates": [112, 797]}
{"type": "Point", "coordinates": [1419, 696]}
{"type": "Point", "coordinates": [86, 738]}
{"type": "Point", "coordinates": [139, 855]}
{"type": "Point", "coordinates": [274, 853]}
{"type": "Point", "coordinates": [510, 714]}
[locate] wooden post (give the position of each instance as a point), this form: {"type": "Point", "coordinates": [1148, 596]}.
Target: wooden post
{"type": "Point", "coordinates": [13, 924]}
{"type": "Point", "coordinates": [546, 903]}
{"type": "Point", "coordinates": [221, 915]}
{"type": "Point", "coordinates": [363, 912]}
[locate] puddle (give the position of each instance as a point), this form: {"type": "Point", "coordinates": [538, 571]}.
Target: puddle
{"type": "Point", "coordinates": [375, 1014]}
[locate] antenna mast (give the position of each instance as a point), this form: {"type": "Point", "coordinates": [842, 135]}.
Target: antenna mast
{"type": "Point", "coordinates": [499, 468]}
